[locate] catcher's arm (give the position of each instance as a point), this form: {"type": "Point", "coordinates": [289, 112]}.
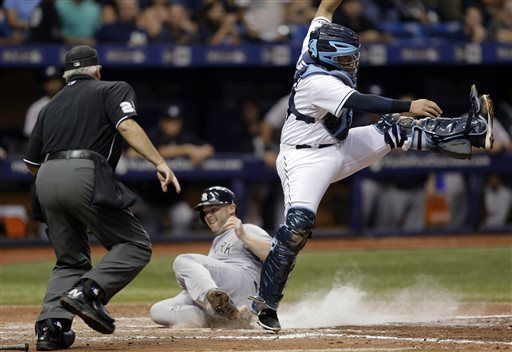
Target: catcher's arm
{"type": "Point", "coordinates": [327, 8]}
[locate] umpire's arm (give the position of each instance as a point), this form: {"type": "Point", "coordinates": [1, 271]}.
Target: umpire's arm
{"type": "Point", "coordinates": [138, 140]}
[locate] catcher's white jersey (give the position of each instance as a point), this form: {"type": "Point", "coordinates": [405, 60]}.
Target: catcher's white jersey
{"type": "Point", "coordinates": [307, 173]}
{"type": "Point", "coordinates": [315, 96]}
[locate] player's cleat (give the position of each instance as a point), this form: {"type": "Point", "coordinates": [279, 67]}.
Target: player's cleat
{"type": "Point", "coordinates": [267, 319]}
{"type": "Point", "coordinates": [222, 303]}
{"type": "Point", "coordinates": [51, 335]}
{"type": "Point", "coordinates": [84, 300]}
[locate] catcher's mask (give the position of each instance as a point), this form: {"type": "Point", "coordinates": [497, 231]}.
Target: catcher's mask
{"type": "Point", "coordinates": [335, 47]}
{"type": "Point", "coordinates": [216, 195]}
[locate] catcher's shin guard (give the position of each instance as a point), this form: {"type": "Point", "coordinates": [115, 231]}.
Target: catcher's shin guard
{"type": "Point", "coordinates": [450, 136]}
{"type": "Point", "coordinates": [289, 240]}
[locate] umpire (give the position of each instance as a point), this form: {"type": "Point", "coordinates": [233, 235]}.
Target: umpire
{"type": "Point", "coordinates": [73, 150]}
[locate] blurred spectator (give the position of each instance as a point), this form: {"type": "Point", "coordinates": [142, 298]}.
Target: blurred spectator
{"type": "Point", "coordinates": [412, 11]}
{"type": "Point", "coordinates": [266, 20]}
{"type": "Point", "coordinates": [7, 37]}
{"type": "Point", "coordinates": [45, 25]}
{"type": "Point", "coordinates": [247, 137]}
{"type": "Point", "coordinates": [271, 129]}
{"type": "Point", "coordinates": [80, 20]}
{"type": "Point", "coordinates": [497, 202]}
{"type": "Point", "coordinates": [473, 29]}
{"type": "Point", "coordinates": [18, 17]}
{"type": "Point", "coordinates": [489, 8]}
{"type": "Point", "coordinates": [299, 12]}
{"type": "Point", "coordinates": [498, 189]}
{"type": "Point", "coordinates": [173, 141]}
{"type": "Point", "coordinates": [503, 111]}
{"type": "Point", "coordinates": [52, 82]}
{"type": "Point", "coordinates": [125, 29]}
{"type": "Point", "coordinates": [393, 203]}
{"type": "Point", "coordinates": [179, 27]}
{"type": "Point", "coordinates": [173, 213]}
{"type": "Point", "coordinates": [350, 14]}
{"type": "Point", "coordinates": [500, 28]}
{"type": "Point", "coordinates": [217, 25]}
{"type": "Point", "coordinates": [154, 17]}
{"type": "Point", "coordinates": [443, 11]}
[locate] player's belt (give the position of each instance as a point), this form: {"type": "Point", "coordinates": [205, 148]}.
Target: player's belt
{"type": "Point", "coordinates": [74, 154]}
{"type": "Point", "coordinates": [305, 146]}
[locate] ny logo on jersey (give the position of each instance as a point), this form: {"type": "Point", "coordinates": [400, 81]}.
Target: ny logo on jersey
{"type": "Point", "coordinates": [225, 248]}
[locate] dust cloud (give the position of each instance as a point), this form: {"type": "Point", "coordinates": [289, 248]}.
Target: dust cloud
{"type": "Point", "coordinates": [348, 304]}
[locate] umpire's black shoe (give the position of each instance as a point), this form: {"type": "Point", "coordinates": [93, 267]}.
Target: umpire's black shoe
{"type": "Point", "coordinates": [267, 319]}
{"type": "Point", "coordinates": [51, 335]}
{"type": "Point", "coordinates": [84, 300]}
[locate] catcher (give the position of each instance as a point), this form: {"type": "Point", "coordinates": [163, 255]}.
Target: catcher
{"type": "Point", "coordinates": [216, 285]}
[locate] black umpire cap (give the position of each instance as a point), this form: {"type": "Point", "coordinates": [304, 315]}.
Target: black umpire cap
{"type": "Point", "coordinates": [81, 56]}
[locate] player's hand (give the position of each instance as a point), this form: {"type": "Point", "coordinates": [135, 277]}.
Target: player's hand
{"type": "Point", "coordinates": [166, 177]}
{"type": "Point", "coordinates": [425, 107]}
{"type": "Point", "coordinates": [235, 223]}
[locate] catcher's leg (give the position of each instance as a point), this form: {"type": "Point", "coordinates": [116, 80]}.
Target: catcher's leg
{"type": "Point", "coordinates": [289, 240]}
{"type": "Point", "coordinates": [450, 136]}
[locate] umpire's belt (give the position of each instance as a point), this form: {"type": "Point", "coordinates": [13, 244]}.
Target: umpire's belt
{"type": "Point", "coordinates": [75, 154]}
{"type": "Point", "coordinates": [108, 192]}
{"type": "Point", "coordinates": [305, 146]}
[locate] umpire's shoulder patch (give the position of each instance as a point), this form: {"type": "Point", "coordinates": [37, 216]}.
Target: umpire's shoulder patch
{"type": "Point", "coordinates": [127, 107]}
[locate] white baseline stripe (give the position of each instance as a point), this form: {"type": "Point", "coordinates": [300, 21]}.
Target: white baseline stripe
{"type": "Point", "coordinates": [310, 335]}
{"type": "Point", "coordinates": [374, 337]}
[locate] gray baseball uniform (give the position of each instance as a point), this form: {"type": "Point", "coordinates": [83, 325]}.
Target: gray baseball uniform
{"type": "Point", "coordinates": [229, 266]}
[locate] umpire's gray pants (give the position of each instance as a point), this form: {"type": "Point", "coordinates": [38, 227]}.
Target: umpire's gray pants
{"type": "Point", "coordinates": [64, 189]}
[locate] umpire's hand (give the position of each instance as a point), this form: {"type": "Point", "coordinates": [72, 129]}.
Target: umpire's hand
{"type": "Point", "coordinates": [166, 176]}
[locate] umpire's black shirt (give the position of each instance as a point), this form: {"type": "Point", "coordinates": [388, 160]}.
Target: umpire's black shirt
{"type": "Point", "coordinates": [83, 115]}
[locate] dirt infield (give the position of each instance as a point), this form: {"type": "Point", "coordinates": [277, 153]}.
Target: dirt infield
{"type": "Point", "coordinates": [136, 332]}
{"type": "Point", "coordinates": [468, 327]}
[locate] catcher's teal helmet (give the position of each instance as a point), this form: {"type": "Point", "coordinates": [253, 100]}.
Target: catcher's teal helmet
{"type": "Point", "coordinates": [335, 47]}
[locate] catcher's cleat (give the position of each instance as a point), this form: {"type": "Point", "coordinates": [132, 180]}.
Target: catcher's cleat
{"type": "Point", "coordinates": [481, 107]}
{"type": "Point", "coordinates": [84, 300]}
{"type": "Point", "coordinates": [51, 335]}
{"type": "Point", "coordinates": [267, 319]}
{"type": "Point", "coordinates": [222, 303]}
{"type": "Point", "coordinates": [488, 113]}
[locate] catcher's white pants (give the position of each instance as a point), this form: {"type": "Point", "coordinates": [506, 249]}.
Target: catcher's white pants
{"type": "Point", "coordinates": [197, 274]}
{"type": "Point", "coordinates": [307, 173]}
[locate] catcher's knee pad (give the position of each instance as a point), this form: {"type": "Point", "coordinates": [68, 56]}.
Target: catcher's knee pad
{"type": "Point", "coordinates": [297, 229]}
{"type": "Point", "coordinates": [289, 240]}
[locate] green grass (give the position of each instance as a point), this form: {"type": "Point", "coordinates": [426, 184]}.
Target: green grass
{"type": "Point", "coordinates": [472, 274]}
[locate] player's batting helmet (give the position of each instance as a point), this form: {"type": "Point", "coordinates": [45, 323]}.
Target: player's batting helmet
{"type": "Point", "coordinates": [335, 47]}
{"type": "Point", "coordinates": [216, 195]}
